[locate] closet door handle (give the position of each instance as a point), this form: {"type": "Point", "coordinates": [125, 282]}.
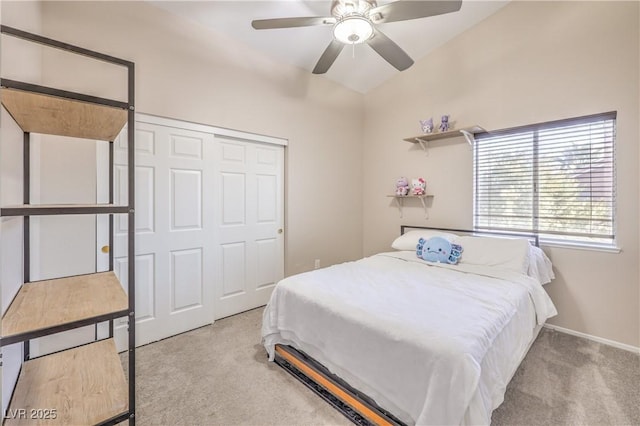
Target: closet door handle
{"type": "Point", "coordinates": [280, 231]}
{"type": "Point", "coordinates": [105, 249]}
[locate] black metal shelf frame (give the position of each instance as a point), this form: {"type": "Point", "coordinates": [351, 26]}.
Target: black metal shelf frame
{"type": "Point", "coordinates": [21, 337]}
{"type": "Point", "coordinates": [43, 210]}
{"type": "Point", "coordinates": [104, 209]}
{"type": "Point", "coordinates": [44, 90]}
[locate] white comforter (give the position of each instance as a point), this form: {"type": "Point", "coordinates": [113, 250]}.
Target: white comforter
{"type": "Point", "coordinates": [412, 336]}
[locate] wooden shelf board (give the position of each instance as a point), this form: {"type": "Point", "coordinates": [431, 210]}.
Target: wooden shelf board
{"type": "Point", "coordinates": [47, 209]}
{"type": "Point", "coordinates": [84, 385]}
{"type": "Point", "coordinates": [442, 135]}
{"type": "Point", "coordinates": [40, 113]}
{"type": "Point", "coordinates": [410, 196]}
{"type": "Point", "coordinates": [45, 304]}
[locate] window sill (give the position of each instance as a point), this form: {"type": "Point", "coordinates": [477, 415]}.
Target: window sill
{"type": "Point", "coordinates": [585, 246]}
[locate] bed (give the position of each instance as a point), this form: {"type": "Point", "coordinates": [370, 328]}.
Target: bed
{"type": "Point", "coordinates": [393, 339]}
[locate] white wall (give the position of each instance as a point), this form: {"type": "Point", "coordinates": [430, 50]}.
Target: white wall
{"type": "Point", "coordinates": [17, 59]}
{"type": "Point", "coordinates": [530, 62]}
{"type": "Point", "coordinates": [187, 72]}
{"type": "Point", "coordinates": [66, 245]}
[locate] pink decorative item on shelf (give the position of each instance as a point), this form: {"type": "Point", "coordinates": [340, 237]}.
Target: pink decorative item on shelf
{"type": "Point", "coordinates": [402, 187]}
{"type": "Point", "coordinates": [418, 186]}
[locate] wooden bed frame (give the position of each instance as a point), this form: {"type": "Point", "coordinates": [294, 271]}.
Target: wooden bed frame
{"type": "Point", "coordinates": [353, 404]}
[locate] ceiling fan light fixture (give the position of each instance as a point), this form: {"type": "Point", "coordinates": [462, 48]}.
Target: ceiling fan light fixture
{"type": "Point", "coordinates": [354, 29]}
{"type": "Point", "coordinates": [354, 22]}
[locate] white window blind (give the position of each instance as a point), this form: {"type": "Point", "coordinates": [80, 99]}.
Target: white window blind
{"type": "Point", "coordinates": [553, 179]}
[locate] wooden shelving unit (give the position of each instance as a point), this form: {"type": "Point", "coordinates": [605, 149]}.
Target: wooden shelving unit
{"type": "Point", "coordinates": [399, 199]}
{"type": "Point", "coordinates": [55, 115]}
{"type": "Point", "coordinates": [467, 132]}
{"type": "Point", "coordinates": [44, 305]}
{"type": "Point", "coordinates": [85, 384]}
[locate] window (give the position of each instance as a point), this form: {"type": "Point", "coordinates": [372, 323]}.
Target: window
{"type": "Point", "coordinates": [553, 179]}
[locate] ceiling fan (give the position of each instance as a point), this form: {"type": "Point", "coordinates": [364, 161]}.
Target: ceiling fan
{"type": "Point", "coordinates": [355, 21]}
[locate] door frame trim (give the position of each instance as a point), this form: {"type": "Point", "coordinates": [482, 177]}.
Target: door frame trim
{"type": "Point", "coordinates": [216, 131]}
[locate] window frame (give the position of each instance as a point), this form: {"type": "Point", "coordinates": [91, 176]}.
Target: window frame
{"type": "Point", "coordinates": [573, 241]}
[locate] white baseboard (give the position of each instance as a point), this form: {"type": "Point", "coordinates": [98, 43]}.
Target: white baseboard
{"type": "Point", "coordinates": [608, 342]}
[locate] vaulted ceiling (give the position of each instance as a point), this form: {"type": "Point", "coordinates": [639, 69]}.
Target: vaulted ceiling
{"type": "Point", "coordinates": [358, 67]}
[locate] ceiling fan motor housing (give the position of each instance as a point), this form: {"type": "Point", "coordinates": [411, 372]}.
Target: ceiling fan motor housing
{"type": "Point", "coordinates": [353, 25]}
{"type": "Point", "coordinates": [343, 8]}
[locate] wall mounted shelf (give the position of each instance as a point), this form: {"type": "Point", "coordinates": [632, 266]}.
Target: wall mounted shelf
{"type": "Point", "coordinates": [468, 133]}
{"type": "Point", "coordinates": [399, 199]}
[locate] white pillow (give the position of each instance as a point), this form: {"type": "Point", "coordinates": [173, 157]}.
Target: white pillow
{"type": "Point", "coordinates": [540, 266]}
{"type": "Point", "coordinates": [409, 240]}
{"type": "Point", "coordinates": [507, 253]}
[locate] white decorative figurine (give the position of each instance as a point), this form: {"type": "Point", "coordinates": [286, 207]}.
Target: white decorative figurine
{"type": "Point", "coordinates": [402, 187]}
{"type": "Point", "coordinates": [418, 186]}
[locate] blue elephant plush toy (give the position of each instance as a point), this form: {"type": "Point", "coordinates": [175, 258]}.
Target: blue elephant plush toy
{"type": "Point", "coordinates": [438, 249]}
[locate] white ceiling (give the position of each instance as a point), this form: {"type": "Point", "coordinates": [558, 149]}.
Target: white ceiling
{"type": "Point", "coordinates": [360, 68]}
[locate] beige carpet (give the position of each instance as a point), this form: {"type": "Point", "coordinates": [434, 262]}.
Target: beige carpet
{"type": "Point", "coordinates": [219, 375]}
{"type": "Point", "coordinates": [566, 380]}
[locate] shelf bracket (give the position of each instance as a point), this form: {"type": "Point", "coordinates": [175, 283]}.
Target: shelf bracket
{"type": "Point", "coordinates": [423, 144]}
{"type": "Point", "coordinates": [399, 205]}
{"type": "Point", "coordinates": [470, 137]}
{"type": "Point", "coordinates": [424, 205]}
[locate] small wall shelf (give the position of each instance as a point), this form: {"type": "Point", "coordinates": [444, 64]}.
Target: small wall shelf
{"type": "Point", "coordinates": [467, 132]}
{"type": "Point", "coordinates": [399, 199]}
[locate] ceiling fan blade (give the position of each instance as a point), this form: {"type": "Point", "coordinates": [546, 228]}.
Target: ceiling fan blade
{"type": "Point", "coordinates": [390, 51]}
{"type": "Point", "coordinates": [328, 57]}
{"type": "Point", "coordinates": [267, 24]}
{"type": "Point", "coordinates": [405, 10]}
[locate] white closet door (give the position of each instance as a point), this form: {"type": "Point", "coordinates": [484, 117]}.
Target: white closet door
{"type": "Point", "coordinates": [249, 211]}
{"type": "Point", "coordinates": [174, 234]}
{"type": "Point", "coordinates": [209, 224]}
